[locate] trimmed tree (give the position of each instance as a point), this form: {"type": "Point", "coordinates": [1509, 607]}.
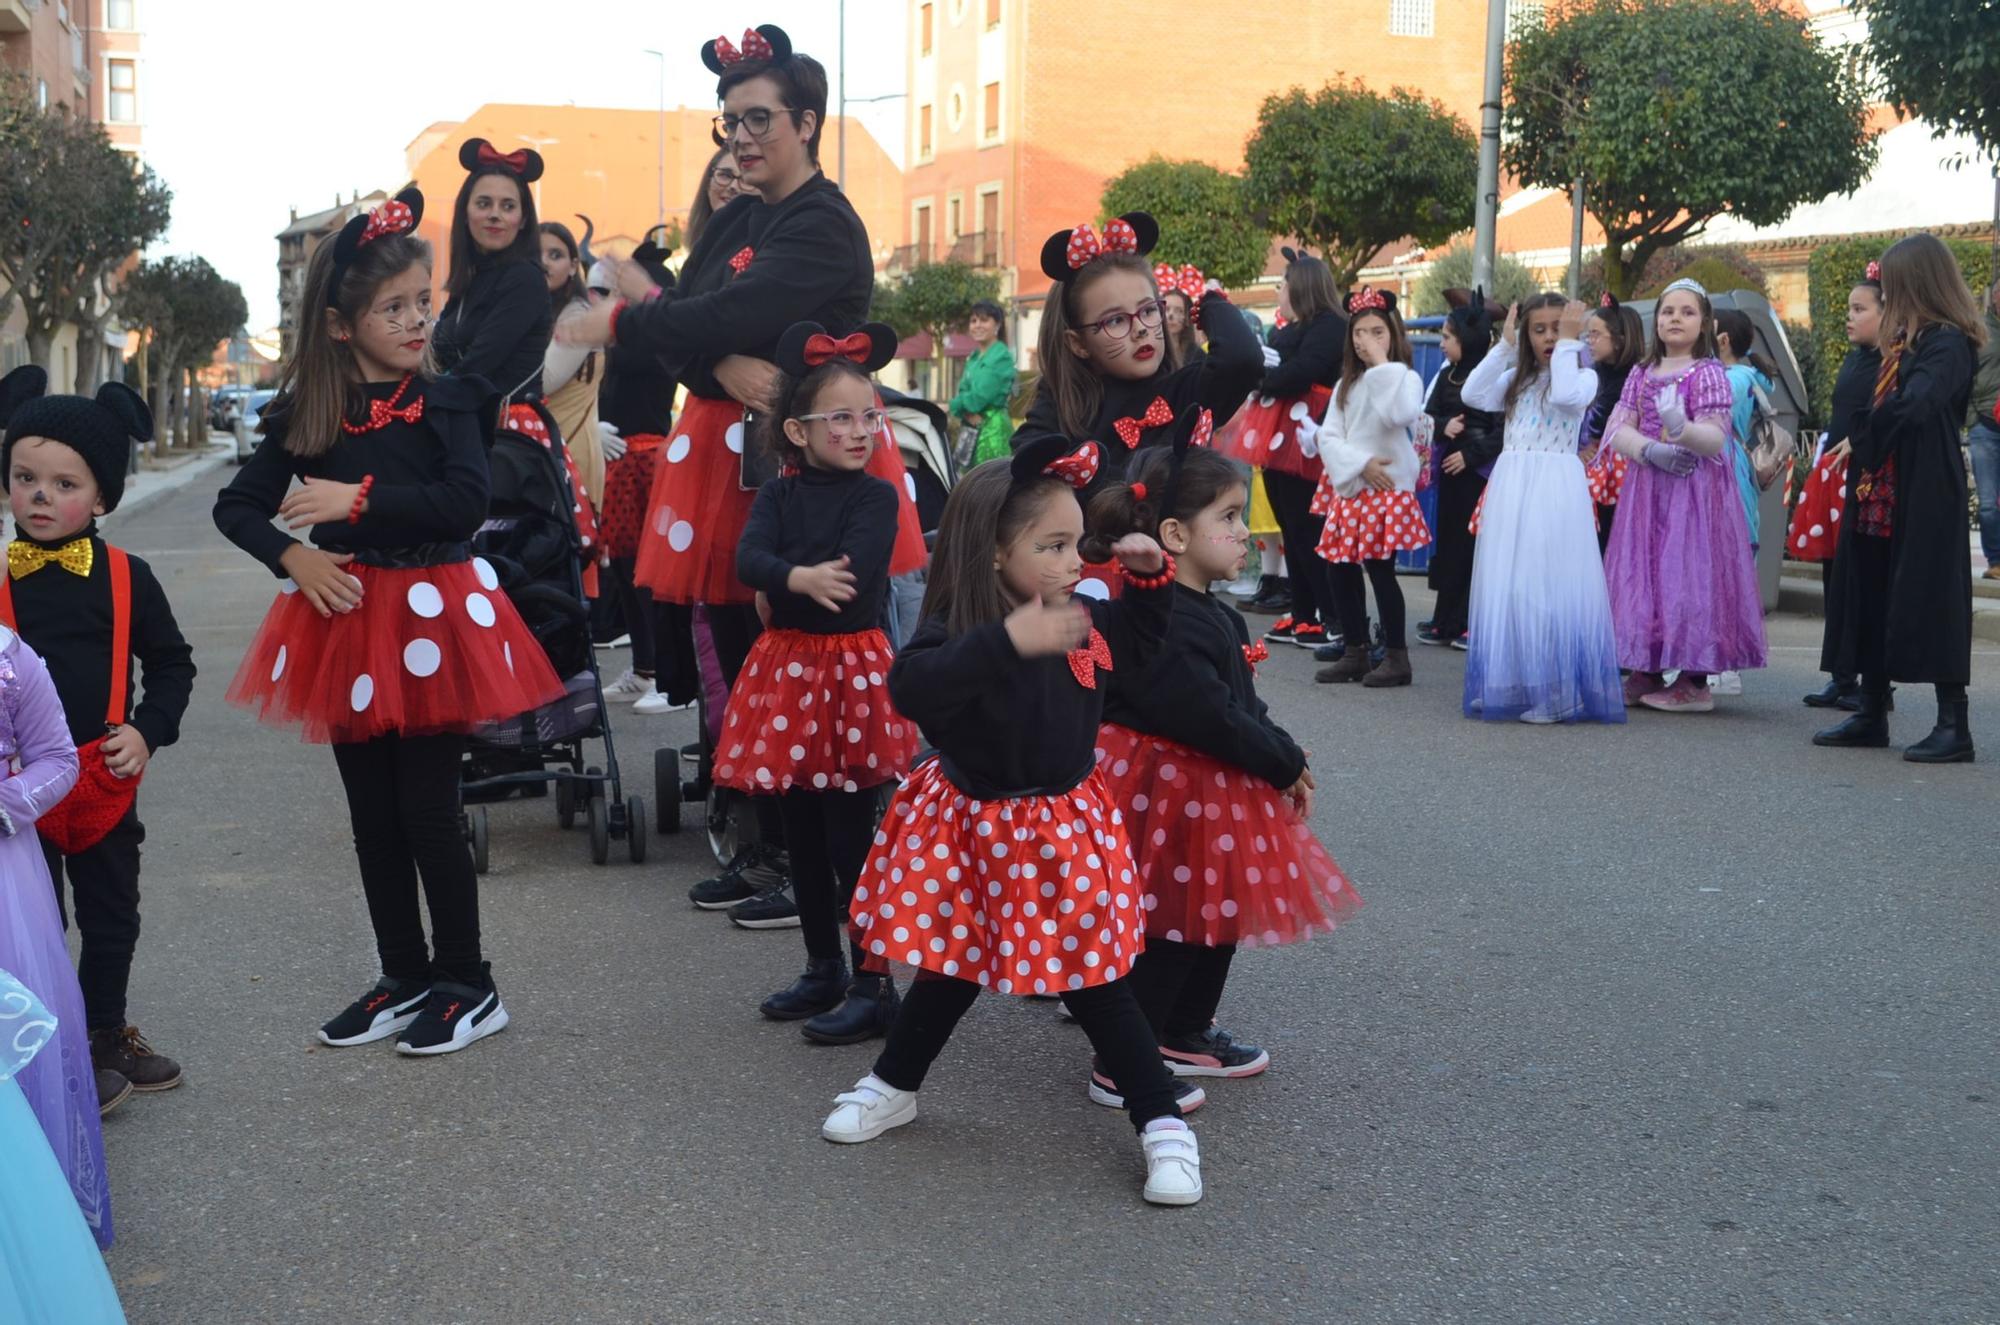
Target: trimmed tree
{"type": "Point", "coordinates": [933, 299]}
{"type": "Point", "coordinates": [1203, 215]}
{"type": "Point", "coordinates": [1675, 112]}
{"type": "Point", "coordinates": [1452, 269]}
{"type": "Point", "coordinates": [185, 308]}
{"type": "Point", "coordinates": [1348, 170]}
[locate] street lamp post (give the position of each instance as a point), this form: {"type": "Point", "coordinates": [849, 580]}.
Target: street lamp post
{"type": "Point", "coordinates": [1486, 218]}
{"type": "Point", "coordinates": [661, 133]}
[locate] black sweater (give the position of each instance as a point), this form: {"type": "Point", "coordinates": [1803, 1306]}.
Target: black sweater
{"type": "Point", "coordinates": [813, 516]}
{"type": "Point", "coordinates": [1219, 382]}
{"type": "Point", "coordinates": [1853, 393]}
{"type": "Point", "coordinates": [1483, 435]}
{"type": "Point", "coordinates": [430, 480]}
{"type": "Point", "coordinates": [1199, 692]}
{"type": "Point", "coordinates": [1010, 726]}
{"type": "Point", "coordinates": [499, 328]}
{"type": "Point", "coordinates": [811, 263]}
{"type": "Point", "coordinates": [67, 619]}
{"type": "Point", "coordinates": [1308, 356]}
{"type": "Point", "coordinates": [636, 394]}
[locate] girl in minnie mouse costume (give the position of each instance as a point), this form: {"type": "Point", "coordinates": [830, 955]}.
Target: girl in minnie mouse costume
{"type": "Point", "coordinates": [1214, 793]}
{"type": "Point", "coordinates": [1369, 488]}
{"type": "Point", "coordinates": [809, 721]}
{"type": "Point", "coordinates": [1003, 863]}
{"type": "Point", "coordinates": [388, 639]}
{"type": "Point", "coordinates": [1109, 372]}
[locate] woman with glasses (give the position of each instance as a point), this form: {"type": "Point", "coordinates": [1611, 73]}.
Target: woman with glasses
{"type": "Point", "coordinates": [721, 185]}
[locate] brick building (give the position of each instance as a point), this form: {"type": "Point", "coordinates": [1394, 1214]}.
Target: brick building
{"type": "Point", "coordinates": [297, 243]}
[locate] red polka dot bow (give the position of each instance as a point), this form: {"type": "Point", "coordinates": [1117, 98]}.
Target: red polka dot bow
{"type": "Point", "coordinates": [742, 259]}
{"type": "Point", "coordinates": [754, 48]}
{"type": "Point", "coordinates": [1084, 662]}
{"type": "Point", "coordinates": [515, 161]}
{"type": "Point", "coordinates": [1085, 245]}
{"type": "Point", "coordinates": [1204, 429]}
{"type": "Point", "coordinates": [1254, 653]}
{"type": "Point", "coordinates": [1077, 468]}
{"type": "Point", "coordinates": [1188, 280]}
{"type": "Point", "coordinates": [822, 348]}
{"type": "Point", "coordinates": [1158, 415]}
{"type": "Point", "coordinates": [1367, 299]}
{"type": "Point", "coordinates": [391, 218]}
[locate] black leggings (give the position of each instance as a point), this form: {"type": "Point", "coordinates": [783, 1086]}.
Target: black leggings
{"type": "Point", "coordinates": [1108, 1013]}
{"type": "Point", "coordinates": [827, 836]}
{"type": "Point", "coordinates": [1291, 502]}
{"type": "Point", "coordinates": [1352, 601]}
{"type": "Point", "coordinates": [402, 794]}
{"type": "Point", "coordinates": [734, 628]}
{"type": "Point", "coordinates": [635, 610]}
{"type": "Point", "coordinates": [1179, 985]}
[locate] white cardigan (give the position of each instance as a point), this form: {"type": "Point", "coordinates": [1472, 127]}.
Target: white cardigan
{"type": "Point", "coordinates": [1374, 422]}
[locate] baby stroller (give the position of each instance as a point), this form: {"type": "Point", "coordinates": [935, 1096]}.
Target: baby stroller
{"type": "Point", "coordinates": [531, 544]}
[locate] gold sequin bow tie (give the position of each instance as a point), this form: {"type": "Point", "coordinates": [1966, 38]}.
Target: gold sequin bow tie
{"type": "Point", "coordinates": [25, 558]}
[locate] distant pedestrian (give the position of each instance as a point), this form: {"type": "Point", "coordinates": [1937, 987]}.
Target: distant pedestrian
{"type": "Point", "coordinates": [986, 388]}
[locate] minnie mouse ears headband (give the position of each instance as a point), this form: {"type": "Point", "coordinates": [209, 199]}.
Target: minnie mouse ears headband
{"type": "Point", "coordinates": [398, 216]}
{"type": "Point", "coordinates": [807, 345]}
{"type": "Point", "coordinates": [765, 44]}
{"type": "Point", "coordinates": [523, 163]}
{"type": "Point", "coordinates": [1052, 455]}
{"type": "Point", "coordinates": [1369, 301]}
{"type": "Point", "coordinates": [1609, 300]}
{"type": "Point", "coordinates": [1068, 252]}
{"type": "Point", "coordinates": [1188, 280]}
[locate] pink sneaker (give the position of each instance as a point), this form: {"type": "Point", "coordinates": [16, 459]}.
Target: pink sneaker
{"type": "Point", "coordinates": [1681, 697]}
{"type": "Point", "coordinates": [1639, 685]}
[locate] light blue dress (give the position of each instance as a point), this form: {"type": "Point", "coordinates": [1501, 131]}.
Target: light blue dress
{"type": "Point", "coordinates": [1741, 378]}
{"type": "Point", "coordinates": [51, 1272]}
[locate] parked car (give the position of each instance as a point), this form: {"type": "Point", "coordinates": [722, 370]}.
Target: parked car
{"type": "Point", "coordinates": [220, 404]}
{"type": "Point", "coordinates": [247, 412]}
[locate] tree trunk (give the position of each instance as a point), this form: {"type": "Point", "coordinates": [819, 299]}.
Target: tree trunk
{"type": "Point", "coordinates": [90, 352]}
{"type": "Point", "coordinates": [1616, 279]}
{"type": "Point", "coordinates": [41, 350]}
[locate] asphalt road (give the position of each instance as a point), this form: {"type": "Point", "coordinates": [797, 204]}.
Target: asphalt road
{"type": "Point", "coordinates": [1685, 1020]}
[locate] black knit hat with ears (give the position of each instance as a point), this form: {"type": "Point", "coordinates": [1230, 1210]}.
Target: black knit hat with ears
{"type": "Point", "coordinates": [100, 429]}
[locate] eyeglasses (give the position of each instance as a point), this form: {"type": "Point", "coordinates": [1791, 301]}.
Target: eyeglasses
{"type": "Point", "coordinates": [757, 120]}
{"type": "Point", "coordinates": [842, 422]}
{"type": "Point", "coordinates": [1119, 325]}
{"type": "Point", "coordinates": [724, 175]}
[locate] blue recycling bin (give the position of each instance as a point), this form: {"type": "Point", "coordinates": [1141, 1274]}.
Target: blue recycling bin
{"type": "Point", "coordinates": [1427, 357]}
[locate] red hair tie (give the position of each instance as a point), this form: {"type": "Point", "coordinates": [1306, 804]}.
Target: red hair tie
{"type": "Point", "coordinates": [1138, 492]}
{"type": "Point", "coordinates": [1875, 271]}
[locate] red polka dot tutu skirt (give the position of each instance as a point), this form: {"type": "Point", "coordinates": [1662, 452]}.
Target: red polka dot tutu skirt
{"type": "Point", "coordinates": [1323, 498]}
{"type": "Point", "coordinates": [1814, 532]}
{"type": "Point", "coordinates": [628, 481]}
{"type": "Point", "coordinates": [1223, 857]}
{"type": "Point", "coordinates": [813, 712]}
{"type": "Point", "coordinates": [1100, 580]}
{"type": "Point", "coordinates": [430, 649]}
{"type": "Point", "coordinates": [1373, 525]}
{"type": "Point", "coordinates": [1267, 436]}
{"type": "Point", "coordinates": [1032, 895]}
{"type": "Point", "coordinates": [1606, 474]}
{"type": "Point", "coordinates": [697, 508]}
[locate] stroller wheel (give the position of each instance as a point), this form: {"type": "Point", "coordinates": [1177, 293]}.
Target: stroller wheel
{"type": "Point", "coordinates": [635, 829]}
{"type": "Point", "coordinates": [600, 831]}
{"type": "Point", "coordinates": [475, 829]}
{"type": "Point", "coordinates": [667, 790]}
{"type": "Point", "coordinates": [565, 803]}
{"type": "Point", "coordinates": [725, 829]}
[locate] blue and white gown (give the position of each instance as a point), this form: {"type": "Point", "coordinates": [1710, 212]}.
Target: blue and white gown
{"type": "Point", "coordinates": [1542, 646]}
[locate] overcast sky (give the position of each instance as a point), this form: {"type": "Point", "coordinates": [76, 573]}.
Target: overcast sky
{"type": "Point", "coordinates": [253, 108]}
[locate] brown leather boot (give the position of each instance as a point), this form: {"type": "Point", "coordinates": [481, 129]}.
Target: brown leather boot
{"type": "Point", "coordinates": [112, 1090]}
{"type": "Point", "coordinates": [1393, 670]}
{"type": "Point", "coordinates": [126, 1052]}
{"type": "Point", "coordinates": [1351, 666]}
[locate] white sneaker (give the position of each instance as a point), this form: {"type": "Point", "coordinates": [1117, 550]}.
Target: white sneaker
{"type": "Point", "coordinates": [628, 687]}
{"type": "Point", "coordinates": [655, 702]}
{"type": "Point", "coordinates": [1726, 683]}
{"type": "Point", "coordinates": [870, 1109]}
{"type": "Point", "coordinates": [1173, 1163]}
{"type": "Point", "coordinates": [622, 642]}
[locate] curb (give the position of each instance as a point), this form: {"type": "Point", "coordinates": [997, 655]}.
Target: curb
{"type": "Point", "coordinates": [1803, 595]}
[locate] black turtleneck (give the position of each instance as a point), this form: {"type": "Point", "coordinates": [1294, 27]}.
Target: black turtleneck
{"type": "Point", "coordinates": [67, 619]}
{"type": "Point", "coordinates": [499, 328]}
{"type": "Point", "coordinates": [1484, 434]}
{"type": "Point", "coordinates": [813, 516]}
{"type": "Point", "coordinates": [1309, 355]}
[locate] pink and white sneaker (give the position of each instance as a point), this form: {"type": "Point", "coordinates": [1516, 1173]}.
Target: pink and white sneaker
{"type": "Point", "coordinates": [1683, 696]}
{"type": "Point", "coordinates": [1638, 685]}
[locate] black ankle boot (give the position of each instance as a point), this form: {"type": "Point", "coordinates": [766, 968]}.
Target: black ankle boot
{"type": "Point", "coordinates": [869, 1012]}
{"type": "Point", "coordinates": [1833, 692]}
{"type": "Point", "coordinates": [1950, 742]}
{"type": "Point", "coordinates": [812, 993]}
{"type": "Point", "coordinates": [1868, 729]}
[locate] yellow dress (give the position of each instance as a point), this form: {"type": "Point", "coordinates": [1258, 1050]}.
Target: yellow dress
{"type": "Point", "coordinates": [1263, 522]}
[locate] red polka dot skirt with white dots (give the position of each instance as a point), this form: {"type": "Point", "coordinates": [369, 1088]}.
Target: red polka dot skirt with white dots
{"type": "Point", "coordinates": [1032, 895]}
{"type": "Point", "coordinates": [628, 482]}
{"type": "Point", "coordinates": [1100, 580]}
{"type": "Point", "coordinates": [1373, 525]}
{"type": "Point", "coordinates": [430, 649]}
{"type": "Point", "coordinates": [1814, 531]}
{"type": "Point", "coordinates": [1606, 476]}
{"type": "Point", "coordinates": [1223, 858]}
{"type": "Point", "coordinates": [812, 712]}
{"type": "Point", "coordinates": [1267, 435]}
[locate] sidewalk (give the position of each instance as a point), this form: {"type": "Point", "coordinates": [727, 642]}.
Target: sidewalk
{"type": "Point", "coordinates": [161, 477]}
{"type": "Point", "coordinates": [1802, 589]}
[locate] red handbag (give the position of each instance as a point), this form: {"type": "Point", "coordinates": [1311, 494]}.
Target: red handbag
{"type": "Point", "coordinates": [100, 798]}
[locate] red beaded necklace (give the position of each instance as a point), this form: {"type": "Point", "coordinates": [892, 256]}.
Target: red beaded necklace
{"type": "Point", "coordinates": [382, 412]}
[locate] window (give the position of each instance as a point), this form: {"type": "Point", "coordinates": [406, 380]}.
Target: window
{"type": "Point", "coordinates": [923, 133]}
{"type": "Point", "coordinates": [992, 14]}
{"type": "Point", "coordinates": [118, 14]}
{"type": "Point", "coordinates": [921, 232]}
{"type": "Point", "coordinates": [989, 227]}
{"type": "Point", "coordinates": [924, 45]}
{"type": "Point", "coordinates": [990, 124]}
{"type": "Point", "coordinates": [41, 94]}
{"type": "Point", "coordinates": [1412, 18]}
{"type": "Point", "coordinates": [124, 107]}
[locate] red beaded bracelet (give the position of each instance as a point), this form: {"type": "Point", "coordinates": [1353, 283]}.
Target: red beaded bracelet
{"type": "Point", "coordinates": [360, 500]}
{"type": "Point", "coordinates": [1159, 580]}
{"type": "Point", "coordinates": [616, 310]}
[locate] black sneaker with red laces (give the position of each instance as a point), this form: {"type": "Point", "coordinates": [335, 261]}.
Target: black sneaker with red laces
{"type": "Point", "coordinates": [377, 1014]}
{"type": "Point", "coordinates": [1309, 635]}
{"type": "Point", "coordinates": [1281, 630]}
{"type": "Point", "coordinates": [455, 1016]}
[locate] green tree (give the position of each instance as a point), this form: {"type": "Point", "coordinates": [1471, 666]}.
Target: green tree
{"type": "Point", "coordinates": [934, 298]}
{"type": "Point", "coordinates": [1675, 112]}
{"type": "Point", "coordinates": [1203, 216]}
{"type": "Point", "coordinates": [185, 308]}
{"type": "Point", "coordinates": [1348, 170]}
{"type": "Point", "coordinates": [1452, 269]}
{"type": "Point", "coordinates": [72, 211]}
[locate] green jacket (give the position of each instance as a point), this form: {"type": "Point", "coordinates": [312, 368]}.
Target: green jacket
{"type": "Point", "coordinates": [988, 382]}
{"type": "Point", "coordinates": [1986, 382]}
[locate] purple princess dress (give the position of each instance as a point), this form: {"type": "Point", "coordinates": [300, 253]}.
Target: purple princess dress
{"type": "Point", "coordinates": [40, 766]}
{"type": "Point", "coordinates": [1682, 582]}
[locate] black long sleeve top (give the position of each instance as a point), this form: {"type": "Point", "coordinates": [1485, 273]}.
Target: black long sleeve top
{"type": "Point", "coordinates": [499, 328]}
{"type": "Point", "coordinates": [1925, 413]}
{"type": "Point", "coordinates": [636, 394]}
{"type": "Point", "coordinates": [1219, 382]}
{"type": "Point", "coordinates": [431, 480]}
{"type": "Point", "coordinates": [1009, 726]}
{"type": "Point", "coordinates": [1308, 356]}
{"type": "Point", "coordinates": [1198, 691]}
{"type": "Point", "coordinates": [67, 619]}
{"type": "Point", "coordinates": [1853, 392]}
{"type": "Point", "coordinates": [813, 516]}
{"type": "Point", "coordinates": [810, 262]}
{"type": "Point", "coordinates": [1484, 434]}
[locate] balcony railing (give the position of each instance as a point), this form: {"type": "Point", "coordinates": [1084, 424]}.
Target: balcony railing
{"type": "Point", "coordinates": [983, 249]}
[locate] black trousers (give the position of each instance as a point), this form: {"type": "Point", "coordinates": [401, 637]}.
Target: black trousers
{"type": "Point", "coordinates": [1291, 502]}
{"type": "Point", "coordinates": [1179, 986]}
{"type": "Point", "coordinates": [1108, 1013]}
{"type": "Point", "coordinates": [402, 795]}
{"type": "Point", "coordinates": [635, 611]}
{"type": "Point", "coordinates": [104, 892]}
{"type": "Point", "coordinates": [1352, 600]}
{"type": "Point", "coordinates": [1451, 557]}
{"type": "Point", "coordinates": [827, 836]}
{"type": "Point", "coordinates": [1873, 565]}
{"type": "Point", "coordinates": [734, 628]}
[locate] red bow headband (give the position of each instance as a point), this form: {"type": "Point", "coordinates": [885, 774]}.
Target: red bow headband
{"type": "Point", "coordinates": [1077, 468]}
{"type": "Point", "coordinates": [754, 48]}
{"type": "Point", "coordinates": [1052, 455]}
{"type": "Point", "coordinates": [391, 218]}
{"type": "Point", "coordinates": [765, 44]}
{"type": "Point", "coordinates": [523, 163]}
{"type": "Point", "coordinates": [823, 348]}
{"type": "Point", "coordinates": [1188, 280]}
{"type": "Point", "coordinates": [1875, 272]}
{"type": "Point", "coordinates": [1366, 299]}
{"type": "Point", "coordinates": [398, 216]}
{"type": "Point", "coordinates": [808, 345]}
{"type": "Point", "coordinates": [1068, 252]}
{"type": "Point", "coordinates": [1204, 429]}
